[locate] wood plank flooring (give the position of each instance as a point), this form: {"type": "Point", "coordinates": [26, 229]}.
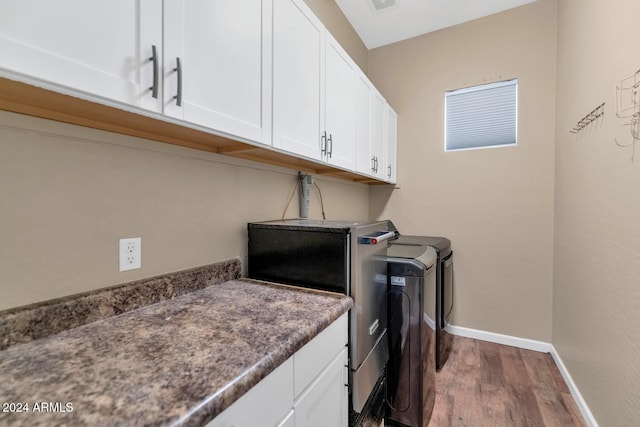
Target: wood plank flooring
{"type": "Point", "coordinates": [487, 384]}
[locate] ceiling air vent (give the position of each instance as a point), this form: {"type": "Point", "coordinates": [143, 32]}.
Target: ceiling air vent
{"type": "Point", "coordinates": [379, 5]}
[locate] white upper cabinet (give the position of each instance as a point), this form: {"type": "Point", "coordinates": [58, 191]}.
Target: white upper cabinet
{"type": "Point", "coordinates": [85, 47]}
{"type": "Point", "coordinates": [313, 88]}
{"type": "Point", "coordinates": [391, 143]}
{"type": "Point", "coordinates": [363, 89]}
{"type": "Point", "coordinates": [339, 135]}
{"type": "Point", "coordinates": [377, 135]}
{"type": "Point", "coordinates": [262, 72]}
{"type": "Point", "coordinates": [217, 70]}
{"type": "Point", "coordinates": [297, 47]}
{"type": "Point", "coordinates": [375, 121]}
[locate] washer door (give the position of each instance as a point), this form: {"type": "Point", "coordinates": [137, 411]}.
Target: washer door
{"type": "Point", "coordinates": [398, 372]}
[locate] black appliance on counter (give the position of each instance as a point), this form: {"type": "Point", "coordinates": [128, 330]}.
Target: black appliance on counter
{"type": "Point", "coordinates": [444, 286]}
{"type": "Point", "coordinates": [411, 369]}
{"type": "Point", "coordinates": [339, 256]}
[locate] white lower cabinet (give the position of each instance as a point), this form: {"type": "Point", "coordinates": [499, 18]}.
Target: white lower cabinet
{"type": "Point", "coordinates": [309, 389]}
{"type": "Point", "coordinates": [289, 421]}
{"type": "Point", "coordinates": [325, 401]}
{"type": "Point", "coordinates": [266, 404]}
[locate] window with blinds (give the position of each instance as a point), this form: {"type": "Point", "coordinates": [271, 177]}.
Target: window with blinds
{"type": "Point", "coordinates": [481, 116]}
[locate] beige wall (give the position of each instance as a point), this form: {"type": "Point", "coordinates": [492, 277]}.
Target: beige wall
{"type": "Point", "coordinates": [596, 301]}
{"type": "Point", "coordinates": [340, 28]}
{"type": "Point", "coordinates": [68, 194]}
{"type": "Point", "coordinates": [496, 205]}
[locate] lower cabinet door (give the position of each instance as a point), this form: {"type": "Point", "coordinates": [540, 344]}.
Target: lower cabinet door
{"type": "Point", "coordinates": [288, 421]}
{"type": "Point", "coordinates": [325, 402]}
{"type": "Point", "coordinates": [267, 404]}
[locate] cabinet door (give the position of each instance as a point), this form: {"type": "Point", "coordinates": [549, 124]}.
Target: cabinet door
{"type": "Point", "coordinates": [391, 143]}
{"type": "Point", "coordinates": [325, 402]}
{"type": "Point", "coordinates": [268, 403]}
{"type": "Point", "coordinates": [316, 355]}
{"type": "Point", "coordinates": [223, 70]}
{"type": "Point", "coordinates": [364, 163]}
{"type": "Point", "coordinates": [85, 48]}
{"type": "Point", "coordinates": [340, 75]}
{"type": "Point", "coordinates": [289, 420]}
{"type": "Point", "coordinates": [377, 135]}
{"type": "Point", "coordinates": [297, 44]}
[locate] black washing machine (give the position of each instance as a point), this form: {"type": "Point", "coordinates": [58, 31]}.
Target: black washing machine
{"type": "Point", "coordinates": [411, 312]}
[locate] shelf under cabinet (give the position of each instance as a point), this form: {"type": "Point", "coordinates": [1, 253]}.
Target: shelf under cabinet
{"type": "Point", "coordinates": [35, 101]}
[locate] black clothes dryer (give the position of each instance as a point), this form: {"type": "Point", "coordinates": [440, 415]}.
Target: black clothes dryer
{"type": "Point", "coordinates": [444, 286]}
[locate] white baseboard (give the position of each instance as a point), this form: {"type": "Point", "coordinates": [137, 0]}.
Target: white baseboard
{"type": "Point", "coordinates": [541, 346]}
{"type": "Point", "coordinates": [429, 321]}
{"type": "Point", "coordinates": [582, 405]}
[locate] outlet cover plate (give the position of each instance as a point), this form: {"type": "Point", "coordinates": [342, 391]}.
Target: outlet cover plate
{"type": "Point", "coordinates": [130, 253]}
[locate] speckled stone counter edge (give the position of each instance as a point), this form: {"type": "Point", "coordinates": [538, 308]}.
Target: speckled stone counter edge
{"type": "Point", "coordinates": [31, 322]}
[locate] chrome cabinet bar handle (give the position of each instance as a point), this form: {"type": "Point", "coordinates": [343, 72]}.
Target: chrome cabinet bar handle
{"type": "Point", "coordinates": [373, 163]}
{"type": "Point", "coordinates": [389, 171]}
{"type": "Point", "coordinates": [330, 145]}
{"type": "Point", "coordinates": [178, 69]}
{"type": "Point", "coordinates": [154, 59]}
{"type": "Point", "coordinates": [323, 143]}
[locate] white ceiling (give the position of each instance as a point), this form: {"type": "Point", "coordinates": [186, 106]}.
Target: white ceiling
{"type": "Point", "coordinates": [410, 18]}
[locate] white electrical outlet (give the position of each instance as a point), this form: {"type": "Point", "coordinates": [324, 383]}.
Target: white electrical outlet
{"type": "Point", "coordinates": [130, 253]}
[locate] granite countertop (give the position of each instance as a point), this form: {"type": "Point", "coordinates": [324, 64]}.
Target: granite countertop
{"type": "Point", "coordinates": [177, 362]}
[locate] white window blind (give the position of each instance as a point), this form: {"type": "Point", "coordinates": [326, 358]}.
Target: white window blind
{"type": "Point", "coordinates": [481, 116]}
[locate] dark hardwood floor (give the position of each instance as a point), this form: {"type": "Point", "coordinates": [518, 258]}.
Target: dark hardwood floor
{"type": "Point", "coordinates": [487, 384]}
